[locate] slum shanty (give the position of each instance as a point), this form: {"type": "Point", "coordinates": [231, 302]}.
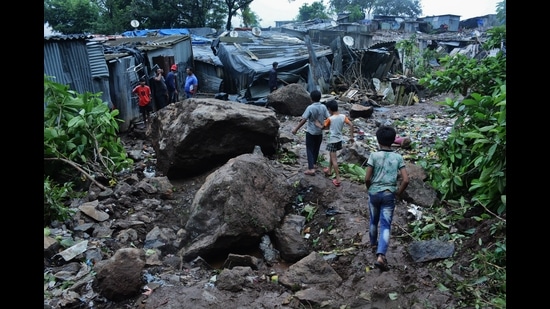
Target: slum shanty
{"type": "Point", "coordinates": [360, 62]}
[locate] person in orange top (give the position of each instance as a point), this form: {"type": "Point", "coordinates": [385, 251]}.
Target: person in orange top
{"type": "Point", "coordinates": [144, 94]}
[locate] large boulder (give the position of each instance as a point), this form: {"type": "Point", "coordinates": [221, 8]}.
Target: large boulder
{"type": "Point", "coordinates": [120, 277]}
{"type": "Point", "coordinates": [419, 191]}
{"type": "Point", "coordinates": [196, 135]}
{"type": "Point", "coordinates": [237, 204]}
{"type": "Point", "coordinates": [289, 100]}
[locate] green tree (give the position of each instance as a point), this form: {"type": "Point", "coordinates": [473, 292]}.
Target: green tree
{"type": "Point", "coordinates": [71, 16]}
{"type": "Point", "coordinates": [356, 13]}
{"type": "Point", "coordinates": [249, 17]}
{"type": "Point", "coordinates": [408, 8]}
{"type": "Point", "coordinates": [501, 12]}
{"type": "Point", "coordinates": [316, 10]}
{"type": "Point", "coordinates": [232, 8]}
{"type": "Point", "coordinates": [356, 8]}
{"type": "Point", "coordinates": [115, 16]}
{"type": "Point", "coordinates": [215, 16]}
{"type": "Point", "coordinates": [195, 14]}
{"type": "Point", "coordinates": [157, 14]}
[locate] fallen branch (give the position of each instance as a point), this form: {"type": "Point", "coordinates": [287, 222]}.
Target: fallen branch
{"type": "Point", "coordinates": [404, 231]}
{"type": "Point", "coordinates": [71, 163]}
{"type": "Point", "coordinates": [494, 214]}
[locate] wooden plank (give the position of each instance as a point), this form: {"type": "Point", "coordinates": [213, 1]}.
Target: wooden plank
{"type": "Point", "coordinates": [251, 54]}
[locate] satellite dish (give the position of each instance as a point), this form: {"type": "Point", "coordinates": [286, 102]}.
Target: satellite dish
{"type": "Point", "coordinates": [256, 31]}
{"type": "Point", "coordinates": [333, 23]}
{"type": "Point", "coordinates": [233, 34]}
{"type": "Point", "coordinates": [348, 40]}
{"type": "Point", "coordinates": [134, 23]}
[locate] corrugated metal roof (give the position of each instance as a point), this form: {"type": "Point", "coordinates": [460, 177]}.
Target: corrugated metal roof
{"type": "Point", "coordinates": [67, 37]}
{"type": "Point", "coordinates": [96, 57]}
{"type": "Point", "coordinates": [121, 47]}
{"type": "Point", "coordinates": [68, 62]}
{"type": "Point", "coordinates": [259, 52]}
{"type": "Point", "coordinates": [248, 57]}
{"type": "Point", "coordinates": [147, 42]}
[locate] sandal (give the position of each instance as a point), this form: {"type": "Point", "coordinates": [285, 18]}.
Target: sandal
{"type": "Point", "coordinates": [336, 182]}
{"type": "Point", "coordinates": [383, 266]}
{"type": "Point", "coordinates": [326, 171]}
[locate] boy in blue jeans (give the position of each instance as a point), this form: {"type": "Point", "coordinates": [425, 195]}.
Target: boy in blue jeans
{"type": "Point", "coordinates": [383, 168]}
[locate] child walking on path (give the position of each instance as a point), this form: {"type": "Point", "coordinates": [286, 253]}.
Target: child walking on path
{"type": "Point", "coordinates": [335, 125]}
{"type": "Point", "coordinates": [383, 168]}
{"type": "Point", "coordinates": [316, 112]}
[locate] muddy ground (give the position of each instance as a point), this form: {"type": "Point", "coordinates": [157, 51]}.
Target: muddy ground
{"type": "Point", "coordinates": [405, 285]}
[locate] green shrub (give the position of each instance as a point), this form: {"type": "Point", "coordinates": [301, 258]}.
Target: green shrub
{"type": "Point", "coordinates": [55, 197]}
{"type": "Point", "coordinates": [471, 161]}
{"type": "Point", "coordinates": [80, 143]}
{"type": "Point", "coordinates": [469, 171]}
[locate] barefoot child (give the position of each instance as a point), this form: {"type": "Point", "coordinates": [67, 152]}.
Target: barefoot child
{"type": "Point", "coordinates": [335, 124]}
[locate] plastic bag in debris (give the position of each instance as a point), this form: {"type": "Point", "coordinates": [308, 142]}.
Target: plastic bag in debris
{"type": "Point", "coordinates": [415, 211]}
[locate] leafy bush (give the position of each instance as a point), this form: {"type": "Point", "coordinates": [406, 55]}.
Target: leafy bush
{"type": "Point", "coordinates": [465, 75]}
{"type": "Point", "coordinates": [55, 197]}
{"type": "Point", "coordinates": [417, 62]}
{"type": "Point", "coordinates": [80, 128]}
{"type": "Point", "coordinates": [472, 160]}
{"type": "Point", "coordinates": [469, 171]}
{"type": "Point", "coordinates": [80, 133]}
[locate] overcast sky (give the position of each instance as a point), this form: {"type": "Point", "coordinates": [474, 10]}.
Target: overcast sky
{"type": "Point", "coordinates": [270, 11]}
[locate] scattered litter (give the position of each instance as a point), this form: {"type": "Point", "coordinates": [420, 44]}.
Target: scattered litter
{"type": "Point", "coordinates": [69, 253]}
{"type": "Point", "coordinates": [415, 211]}
{"type": "Point", "coordinates": [149, 171]}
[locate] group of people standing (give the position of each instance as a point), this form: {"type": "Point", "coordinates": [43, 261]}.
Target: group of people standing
{"type": "Point", "coordinates": [164, 90]}
{"type": "Point", "coordinates": [384, 167]}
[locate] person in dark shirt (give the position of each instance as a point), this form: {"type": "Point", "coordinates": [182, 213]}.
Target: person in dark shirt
{"type": "Point", "coordinates": [161, 92]}
{"type": "Point", "coordinates": [273, 77]}
{"type": "Point", "coordinates": [172, 84]}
